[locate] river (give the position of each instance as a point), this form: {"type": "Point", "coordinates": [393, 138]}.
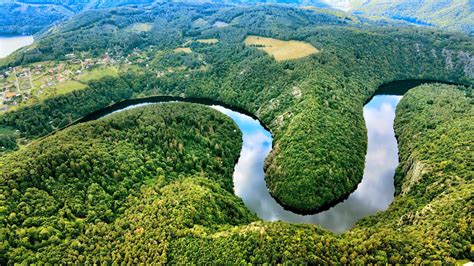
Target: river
{"type": "Point", "coordinates": [374, 193]}
{"type": "Point", "coordinates": [9, 44]}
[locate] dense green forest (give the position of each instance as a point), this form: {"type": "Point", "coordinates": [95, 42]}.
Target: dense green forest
{"type": "Point", "coordinates": [313, 106]}
{"type": "Point", "coordinates": [32, 16]}
{"type": "Point", "coordinates": [154, 184]}
{"type": "Point", "coordinates": [93, 173]}
{"type": "Point", "coordinates": [451, 15]}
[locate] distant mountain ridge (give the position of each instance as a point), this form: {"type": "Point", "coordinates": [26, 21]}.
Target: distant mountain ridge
{"type": "Point", "coordinates": [457, 15]}
{"type": "Point", "coordinates": [31, 16]}
{"type": "Point", "coordinates": [24, 17]}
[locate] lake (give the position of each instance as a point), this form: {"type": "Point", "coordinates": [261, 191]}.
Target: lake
{"type": "Point", "coordinates": [9, 44]}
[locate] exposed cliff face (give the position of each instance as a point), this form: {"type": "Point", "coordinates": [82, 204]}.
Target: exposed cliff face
{"type": "Point", "coordinates": [462, 60]}
{"type": "Point", "coordinates": [414, 171]}
{"type": "Point", "coordinates": [467, 60]}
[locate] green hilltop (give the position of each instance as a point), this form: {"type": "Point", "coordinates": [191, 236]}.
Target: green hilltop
{"type": "Point", "coordinates": [108, 191]}
{"type": "Point", "coordinates": [455, 15]}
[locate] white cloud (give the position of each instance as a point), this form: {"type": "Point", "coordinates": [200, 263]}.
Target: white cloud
{"type": "Point", "coordinates": [344, 5]}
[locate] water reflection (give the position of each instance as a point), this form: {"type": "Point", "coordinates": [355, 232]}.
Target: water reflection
{"type": "Point", "coordinates": [373, 194]}
{"type": "Point", "coordinates": [9, 44]}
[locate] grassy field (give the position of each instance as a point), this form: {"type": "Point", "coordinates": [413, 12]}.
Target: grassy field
{"type": "Point", "coordinates": [183, 50]}
{"type": "Point", "coordinates": [282, 50]}
{"type": "Point", "coordinates": [208, 41]}
{"type": "Point", "coordinates": [97, 74]}
{"type": "Point", "coordinates": [141, 27]}
{"type": "Point", "coordinates": [62, 88]}
{"type": "Point", "coordinates": [69, 86]}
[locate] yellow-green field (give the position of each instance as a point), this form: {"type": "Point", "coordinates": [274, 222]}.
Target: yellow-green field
{"type": "Point", "coordinates": [141, 27]}
{"type": "Point", "coordinates": [97, 74]}
{"type": "Point", "coordinates": [68, 86]}
{"type": "Point", "coordinates": [183, 50]}
{"type": "Point", "coordinates": [282, 50]}
{"type": "Point", "coordinates": [208, 41]}
{"type": "Point", "coordinates": [62, 88]}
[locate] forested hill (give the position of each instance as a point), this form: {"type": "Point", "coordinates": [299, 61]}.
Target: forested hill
{"type": "Point", "coordinates": [32, 16]}
{"type": "Point", "coordinates": [154, 184]}
{"type": "Point", "coordinates": [313, 106]}
{"type": "Point", "coordinates": [452, 15]}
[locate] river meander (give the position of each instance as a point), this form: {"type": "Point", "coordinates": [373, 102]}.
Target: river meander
{"type": "Point", "coordinates": [373, 194]}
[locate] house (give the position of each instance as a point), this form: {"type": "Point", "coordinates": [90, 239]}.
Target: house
{"type": "Point", "coordinates": [9, 94]}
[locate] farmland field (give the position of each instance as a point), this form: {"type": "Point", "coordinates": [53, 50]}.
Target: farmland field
{"type": "Point", "coordinates": [98, 74]}
{"type": "Point", "coordinates": [186, 50]}
{"type": "Point", "coordinates": [208, 41]}
{"type": "Point", "coordinates": [282, 50]}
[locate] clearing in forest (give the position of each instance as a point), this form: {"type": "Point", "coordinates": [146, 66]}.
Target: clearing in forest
{"type": "Point", "coordinates": [282, 50]}
{"type": "Point", "coordinates": [186, 50]}
{"type": "Point", "coordinates": [208, 41]}
{"type": "Point", "coordinates": [97, 73]}
{"type": "Point", "coordinates": [141, 27]}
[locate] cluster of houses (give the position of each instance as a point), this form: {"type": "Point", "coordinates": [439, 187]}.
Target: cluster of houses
{"type": "Point", "coordinates": [18, 84]}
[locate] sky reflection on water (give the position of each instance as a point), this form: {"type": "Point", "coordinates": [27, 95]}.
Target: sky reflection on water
{"type": "Point", "coordinates": [9, 44]}
{"type": "Point", "coordinates": [373, 194]}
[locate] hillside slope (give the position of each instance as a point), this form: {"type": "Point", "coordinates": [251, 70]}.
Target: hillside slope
{"type": "Point", "coordinates": [313, 105]}
{"type": "Point", "coordinates": [31, 16]}
{"type": "Point", "coordinates": [457, 15]}
{"type": "Point", "coordinates": [97, 196]}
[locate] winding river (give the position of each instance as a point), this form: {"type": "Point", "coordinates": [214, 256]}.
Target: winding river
{"type": "Point", "coordinates": [374, 193]}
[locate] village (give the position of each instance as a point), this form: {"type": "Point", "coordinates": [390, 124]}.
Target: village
{"type": "Point", "coordinates": [31, 83]}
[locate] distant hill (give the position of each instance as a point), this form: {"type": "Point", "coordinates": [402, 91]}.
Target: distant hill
{"type": "Point", "coordinates": [31, 16]}
{"type": "Point", "coordinates": [455, 15]}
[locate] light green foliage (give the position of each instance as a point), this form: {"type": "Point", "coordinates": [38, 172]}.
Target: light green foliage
{"type": "Point", "coordinates": [452, 15]}
{"type": "Point", "coordinates": [145, 201]}
{"type": "Point", "coordinates": [98, 73]}
{"type": "Point", "coordinates": [313, 106]}
{"type": "Point", "coordinates": [85, 175]}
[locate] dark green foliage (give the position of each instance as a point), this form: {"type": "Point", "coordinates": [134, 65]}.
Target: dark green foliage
{"type": "Point", "coordinates": [115, 192]}
{"type": "Point", "coordinates": [313, 106]}
{"type": "Point", "coordinates": [53, 189]}
{"type": "Point", "coordinates": [41, 119]}
{"type": "Point", "coordinates": [7, 142]}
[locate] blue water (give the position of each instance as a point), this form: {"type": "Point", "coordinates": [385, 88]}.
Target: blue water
{"type": "Point", "coordinates": [12, 43]}
{"type": "Point", "coordinates": [374, 193]}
